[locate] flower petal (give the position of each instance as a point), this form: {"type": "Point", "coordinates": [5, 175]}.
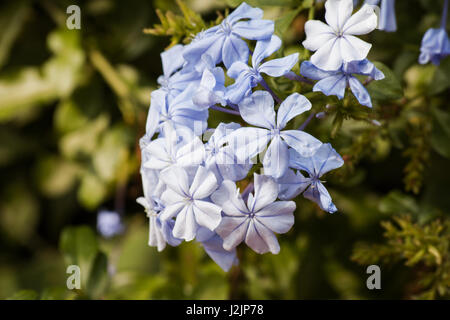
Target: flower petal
{"type": "Point", "coordinates": [204, 183]}
{"type": "Point", "coordinates": [233, 231]}
{"type": "Point", "coordinates": [214, 248]}
{"type": "Point", "coordinates": [291, 107]}
{"type": "Point", "coordinates": [207, 214]}
{"type": "Point", "coordinates": [266, 192]}
{"type": "Point", "coordinates": [279, 67]}
{"type": "Point", "coordinates": [234, 49]}
{"type": "Point", "coordinates": [176, 178]}
{"type": "Point", "coordinates": [319, 194]}
{"type": "Point", "coordinates": [332, 85]}
{"type": "Point", "coordinates": [317, 34]}
{"type": "Point", "coordinates": [258, 110]}
{"type": "Point", "coordinates": [328, 57]}
{"type": "Point", "coordinates": [291, 185]}
{"type": "Point", "coordinates": [229, 198]}
{"type": "Point", "coordinates": [360, 92]}
{"type": "Point", "coordinates": [261, 239]}
{"type": "Point", "coordinates": [353, 48]}
{"type": "Point", "coordinates": [278, 216]}
{"type": "Point", "coordinates": [302, 142]}
{"type": "Point", "coordinates": [185, 225]}
{"type": "Point", "coordinates": [254, 29]}
{"type": "Point", "coordinates": [264, 48]}
{"type": "Point", "coordinates": [172, 211]}
{"type": "Point", "coordinates": [308, 70]}
{"type": "Point", "coordinates": [362, 22]}
{"type": "Point", "coordinates": [248, 142]}
{"type": "Point", "coordinates": [211, 44]}
{"type": "Point", "coordinates": [338, 12]}
{"type": "Point", "coordinates": [172, 59]}
{"type": "Point", "coordinates": [276, 159]}
{"type": "Point", "coordinates": [244, 11]}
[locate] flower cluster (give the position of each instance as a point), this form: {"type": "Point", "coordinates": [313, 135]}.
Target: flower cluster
{"type": "Point", "coordinates": [190, 171]}
{"type": "Point", "coordinates": [339, 54]}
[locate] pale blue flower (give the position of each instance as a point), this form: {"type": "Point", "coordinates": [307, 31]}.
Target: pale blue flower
{"type": "Point", "coordinates": [336, 82]}
{"type": "Point", "coordinates": [109, 223]}
{"type": "Point", "coordinates": [257, 221]}
{"type": "Point", "coordinates": [335, 42]}
{"type": "Point", "coordinates": [180, 112]}
{"type": "Point", "coordinates": [173, 83]}
{"type": "Point", "coordinates": [186, 199]}
{"type": "Point", "coordinates": [258, 110]}
{"type": "Point", "coordinates": [388, 21]}
{"type": "Point", "coordinates": [324, 160]}
{"type": "Point", "coordinates": [220, 158]}
{"type": "Point", "coordinates": [213, 245]}
{"type": "Point", "coordinates": [211, 88]}
{"type": "Point", "coordinates": [160, 232]}
{"type": "Point", "coordinates": [224, 42]}
{"type": "Point", "coordinates": [247, 77]}
{"type": "Point", "coordinates": [435, 46]}
{"type": "Point", "coordinates": [435, 43]}
{"type": "Point", "coordinates": [171, 149]}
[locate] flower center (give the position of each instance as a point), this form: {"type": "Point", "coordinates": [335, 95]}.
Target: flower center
{"type": "Point", "coordinates": [274, 132]}
{"type": "Point", "coordinates": [226, 27]}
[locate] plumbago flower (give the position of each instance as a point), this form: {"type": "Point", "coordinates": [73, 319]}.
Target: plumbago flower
{"type": "Point", "coordinates": [335, 82]}
{"type": "Point", "coordinates": [257, 221]}
{"type": "Point", "coordinates": [224, 42]}
{"type": "Point", "coordinates": [435, 43]}
{"type": "Point", "coordinates": [220, 157]}
{"type": "Point", "coordinates": [180, 112]}
{"type": "Point", "coordinates": [186, 197]}
{"type": "Point", "coordinates": [173, 83]}
{"type": "Point", "coordinates": [258, 110]}
{"type": "Point", "coordinates": [293, 183]}
{"type": "Point", "coordinates": [160, 232]}
{"type": "Point", "coordinates": [335, 42]}
{"type": "Point", "coordinates": [191, 164]}
{"type": "Point", "coordinates": [248, 77]}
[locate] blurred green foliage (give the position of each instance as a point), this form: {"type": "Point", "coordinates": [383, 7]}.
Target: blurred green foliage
{"type": "Point", "coordinates": [73, 105]}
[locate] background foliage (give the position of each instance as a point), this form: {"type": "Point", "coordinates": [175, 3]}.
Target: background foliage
{"type": "Point", "coordinates": [73, 105]}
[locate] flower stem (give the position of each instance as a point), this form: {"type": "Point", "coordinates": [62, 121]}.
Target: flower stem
{"type": "Point", "coordinates": [266, 86]}
{"type": "Point", "coordinates": [221, 109]}
{"type": "Point", "coordinates": [307, 121]}
{"type": "Point", "coordinates": [295, 77]}
{"type": "Point", "coordinates": [444, 15]}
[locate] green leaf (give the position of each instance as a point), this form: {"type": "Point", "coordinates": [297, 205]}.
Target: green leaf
{"type": "Point", "coordinates": [112, 155]}
{"type": "Point", "coordinates": [79, 247]}
{"type": "Point", "coordinates": [282, 24]}
{"type": "Point", "coordinates": [98, 278]}
{"type": "Point", "coordinates": [440, 137]}
{"type": "Point", "coordinates": [260, 3]}
{"type": "Point", "coordinates": [441, 79]}
{"type": "Point", "coordinates": [389, 88]}
{"type": "Point", "coordinates": [12, 18]}
{"type": "Point", "coordinates": [55, 176]}
{"type": "Point", "coordinates": [85, 140]}
{"type": "Point", "coordinates": [56, 78]}
{"type": "Point", "coordinates": [25, 295]}
{"type": "Point", "coordinates": [397, 202]}
{"type": "Point", "coordinates": [92, 191]}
